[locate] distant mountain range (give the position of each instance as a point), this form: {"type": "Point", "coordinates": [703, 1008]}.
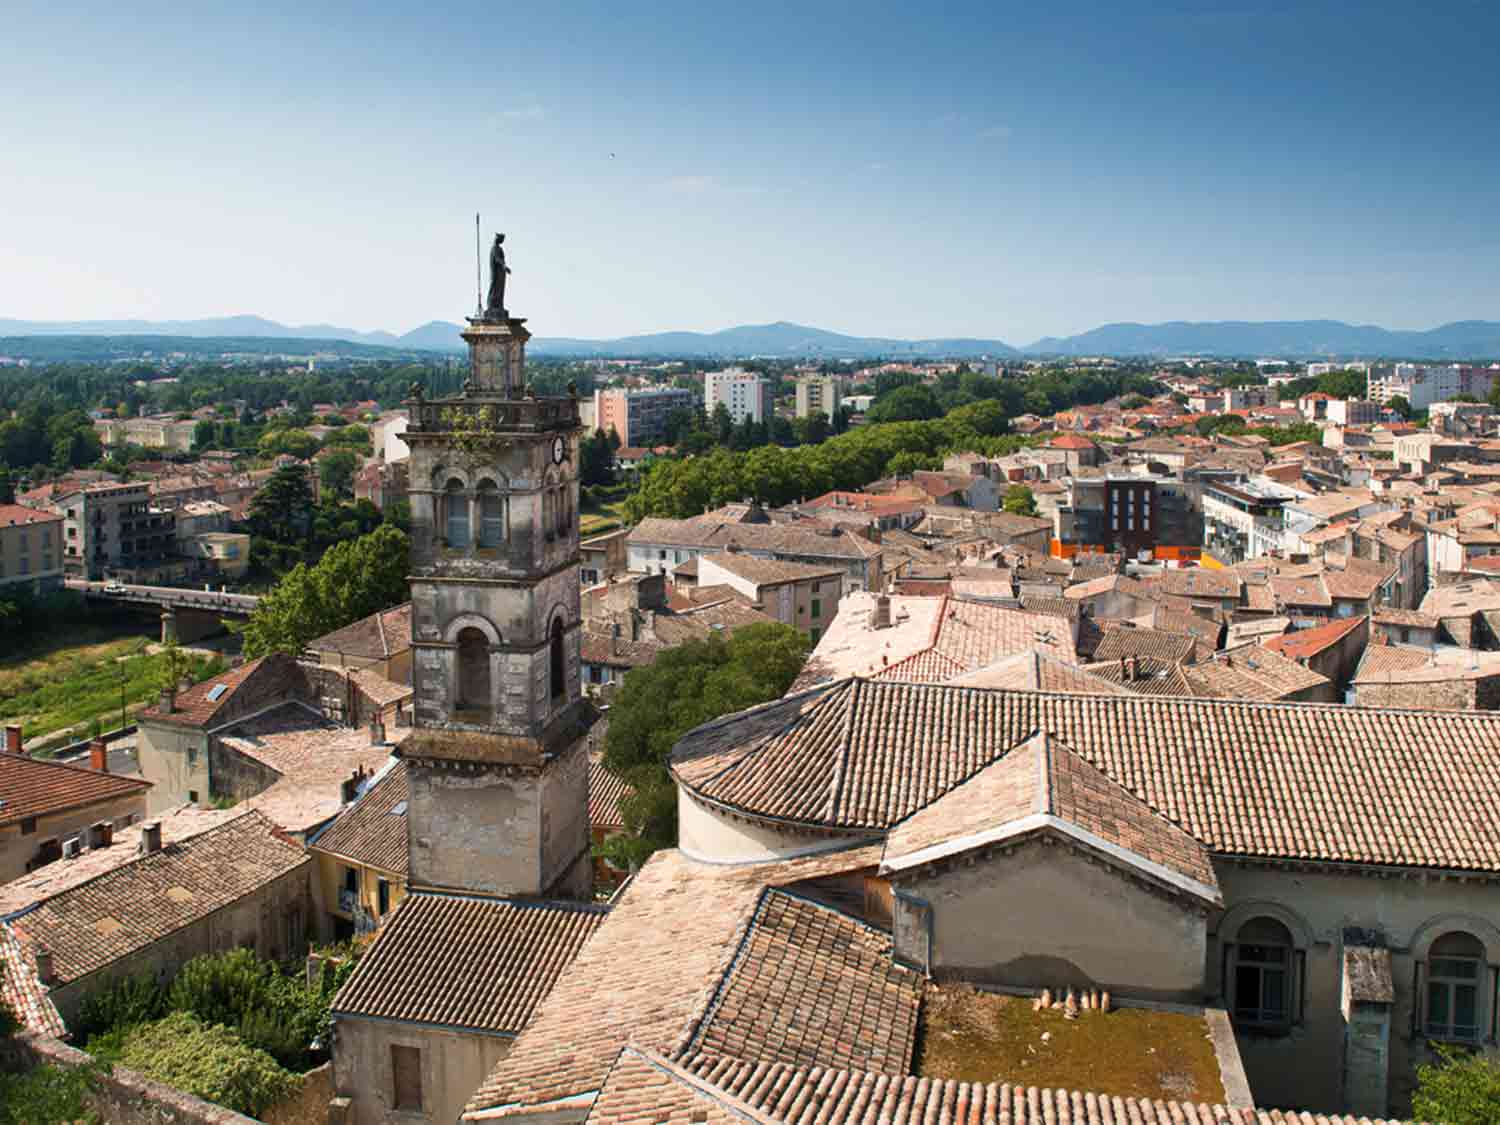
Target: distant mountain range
{"type": "Point", "coordinates": [1293, 338]}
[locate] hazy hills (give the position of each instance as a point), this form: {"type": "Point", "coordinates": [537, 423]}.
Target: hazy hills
{"type": "Point", "coordinates": [1300, 338]}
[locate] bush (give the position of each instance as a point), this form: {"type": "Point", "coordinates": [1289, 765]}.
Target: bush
{"type": "Point", "coordinates": [208, 1062]}
{"type": "Point", "coordinates": [47, 1093]}
{"type": "Point", "coordinates": [125, 1004]}
{"type": "Point", "coordinates": [1461, 1089]}
{"type": "Point", "coordinates": [221, 988]}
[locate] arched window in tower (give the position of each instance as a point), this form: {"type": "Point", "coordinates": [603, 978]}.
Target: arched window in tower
{"type": "Point", "coordinates": [491, 515]}
{"type": "Point", "coordinates": [559, 664]}
{"type": "Point", "coordinates": [473, 670]}
{"type": "Point", "coordinates": [455, 514]}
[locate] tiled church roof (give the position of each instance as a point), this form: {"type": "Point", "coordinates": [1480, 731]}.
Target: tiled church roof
{"type": "Point", "coordinates": [1275, 780]}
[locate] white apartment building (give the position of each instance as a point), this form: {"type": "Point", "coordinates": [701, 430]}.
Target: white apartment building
{"type": "Point", "coordinates": [1422, 386]}
{"type": "Point", "coordinates": [743, 393]}
{"type": "Point", "coordinates": [162, 431]}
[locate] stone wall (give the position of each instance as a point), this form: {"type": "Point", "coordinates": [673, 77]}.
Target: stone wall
{"type": "Point", "coordinates": [453, 1065]}
{"type": "Point", "coordinates": [124, 1097]}
{"type": "Point", "coordinates": [232, 774]}
{"type": "Point", "coordinates": [1444, 695]}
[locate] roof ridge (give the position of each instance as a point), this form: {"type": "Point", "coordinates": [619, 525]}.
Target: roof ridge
{"type": "Point", "coordinates": [76, 767]}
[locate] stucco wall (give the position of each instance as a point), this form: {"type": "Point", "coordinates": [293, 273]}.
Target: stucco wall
{"type": "Point", "coordinates": [453, 1067]}
{"type": "Point", "coordinates": [163, 752]}
{"type": "Point", "coordinates": [232, 774]}
{"type": "Point", "coordinates": [475, 828]}
{"type": "Point", "coordinates": [707, 834]}
{"type": "Point", "coordinates": [565, 812]}
{"type": "Point", "coordinates": [1304, 1067]}
{"type": "Point", "coordinates": [1044, 915]}
{"type": "Point", "coordinates": [17, 850]}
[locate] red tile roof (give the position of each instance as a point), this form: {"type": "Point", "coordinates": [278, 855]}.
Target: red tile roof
{"type": "Point", "coordinates": [31, 787]}
{"type": "Point", "coordinates": [13, 514]}
{"type": "Point", "coordinates": [1305, 643]}
{"type": "Point", "coordinates": [194, 708]}
{"type": "Point", "coordinates": [372, 830]}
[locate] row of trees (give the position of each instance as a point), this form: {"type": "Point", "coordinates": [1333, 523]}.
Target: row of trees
{"type": "Point", "coordinates": [776, 475]}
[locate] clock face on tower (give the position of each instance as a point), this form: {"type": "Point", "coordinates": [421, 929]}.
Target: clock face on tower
{"type": "Point", "coordinates": [559, 447]}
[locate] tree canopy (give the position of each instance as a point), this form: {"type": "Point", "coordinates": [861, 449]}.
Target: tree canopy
{"type": "Point", "coordinates": [352, 580]}
{"type": "Point", "coordinates": [1020, 501]}
{"type": "Point", "coordinates": [1461, 1089]}
{"type": "Point", "coordinates": [687, 685]}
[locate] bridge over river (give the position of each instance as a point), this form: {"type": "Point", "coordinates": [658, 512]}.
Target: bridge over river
{"type": "Point", "coordinates": [187, 613]}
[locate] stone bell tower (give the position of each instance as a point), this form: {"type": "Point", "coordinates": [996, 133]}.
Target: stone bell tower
{"type": "Point", "coordinates": [497, 764]}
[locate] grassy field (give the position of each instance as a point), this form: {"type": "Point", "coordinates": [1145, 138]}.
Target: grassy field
{"type": "Point", "coordinates": [604, 511]}
{"type": "Point", "coordinates": [73, 679]}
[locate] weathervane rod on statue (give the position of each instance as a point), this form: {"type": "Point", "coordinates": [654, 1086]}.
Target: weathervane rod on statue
{"type": "Point", "coordinates": [478, 283]}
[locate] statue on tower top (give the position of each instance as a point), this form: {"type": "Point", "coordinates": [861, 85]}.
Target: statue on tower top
{"type": "Point", "coordinates": [495, 306]}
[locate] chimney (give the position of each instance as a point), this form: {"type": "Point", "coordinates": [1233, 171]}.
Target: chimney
{"type": "Point", "coordinates": [101, 834]}
{"type": "Point", "coordinates": [168, 702]}
{"type": "Point", "coordinates": [150, 837]}
{"type": "Point", "coordinates": [99, 755]}
{"type": "Point", "coordinates": [349, 788]}
{"type": "Point", "coordinates": [13, 738]}
{"type": "Point", "coordinates": [44, 970]}
{"type": "Point", "coordinates": [377, 732]}
{"type": "Point", "coordinates": [881, 618]}
{"type": "Point", "coordinates": [1134, 668]}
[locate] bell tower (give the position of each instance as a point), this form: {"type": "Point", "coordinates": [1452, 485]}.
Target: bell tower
{"type": "Point", "coordinates": [497, 762]}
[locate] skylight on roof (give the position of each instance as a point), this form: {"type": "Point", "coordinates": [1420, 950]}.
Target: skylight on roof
{"type": "Point", "coordinates": [398, 809]}
{"type": "Point", "coordinates": [216, 691]}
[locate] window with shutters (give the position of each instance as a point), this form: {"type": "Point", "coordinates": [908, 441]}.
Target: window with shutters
{"type": "Point", "coordinates": [406, 1077]}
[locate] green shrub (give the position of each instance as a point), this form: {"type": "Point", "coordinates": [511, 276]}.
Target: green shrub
{"type": "Point", "coordinates": [124, 1004]}
{"type": "Point", "coordinates": [209, 1062]}
{"type": "Point", "coordinates": [1461, 1089]}
{"type": "Point", "coordinates": [221, 988]}
{"type": "Point", "coordinates": [47, 1093]}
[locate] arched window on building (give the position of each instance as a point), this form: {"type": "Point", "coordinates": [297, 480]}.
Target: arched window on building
{"type": "Point", "coordinates": [1262, 974]}
{"type": "Point", "coordinates": [491, 515]}
{"type": "Point", "coordinates": [559, 664]}
{"type": "Point", "coordinates": [455, 514]}
{"type": "Point", "coordinates": [473, 670]}
{"type": "Point", "coordinates": [1455, 972]}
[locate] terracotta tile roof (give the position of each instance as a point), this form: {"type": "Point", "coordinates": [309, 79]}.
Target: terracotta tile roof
{"type": "Point", "coordinates": [1071, 441]}
{"type": "Point", "coordinates": [422, 966]}
{"type": "Point", "coordinates": [1032, 671]}
{"type": "Point", "coordinates": [930, 639]}
{"type": "Point", "coordinates": [372, 830]}
{"type": "Point", "coordinates": [13, 514]}
{"type": "Point", "coordinates": [122, 911]}
{"type": "Point", "coordinates": [1252, 671]}
{"type": "Point", "coordinates": [649, 974]}
{"type": "Point", "coordinates": [1147, 677]}
{"type": "Point", "coordinates": [766, 572]}
{"type": "Point", "coordinates": [194, 708]}
{"type": "Point", "coordinates": [1256, 628]}
{"type": "Point", "coordinates": [1385, 664]}
{"type": "Point", "coordinates": [22, 991]}
{"type": "Point", "coordinates": [1462, 599]}
{"type": "Point", "coordinates": [1309, 591]}
{"type": "Point", "coordinates": [39, 787]}
{"type": "Point", "coordinates": [605, 791]}
{"type": "Point", "coordinates": [1359, 579]}
{"type": "Point", "coordinates": [1200, 582]}
{"type": "Point", "coordinates": [376, 637]}
{"type": "Point", "coordinates": [312, 758]}
{"type": "Point", "coordinates": [706, 532]}
{"type": "Point", "coordinates": [617, 652]}
{"type": "Point", "coordinates": [1393, 787]}
{"type": "Point", "coordinates": [1390, 615]}
{"type": "Point", "coordinates": [645, 1088]}
{"type": "Point", "coordinates": [1303, 644]}
{"type": "Point", "coordinates": [1127, 640]}
{"type": "Point", "coordinates": [1039, 785]}
{"type": "Point", "coordinates": [811, 985]}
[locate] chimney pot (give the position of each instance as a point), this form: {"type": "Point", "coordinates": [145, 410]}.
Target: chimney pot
{"type": "Point", "coordinates": [151, 837]}
{"type": "Point", "coordinates": [881, 619]}
{"type": "Point", "coordinates": [44, 969]}
{"type": "Point", "coordinates": [13, 738]}
{"type": "Point", "coordinates": [101, 834]}
{"type": "Point", "coordinates": [377, 732]}
{"type": "Point", "coordinates": [99, 755]}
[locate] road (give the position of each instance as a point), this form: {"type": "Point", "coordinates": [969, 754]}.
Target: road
{"type": "Point", "coordinates": [174, 597]}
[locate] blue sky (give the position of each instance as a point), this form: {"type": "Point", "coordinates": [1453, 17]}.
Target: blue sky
{"type": "Point", "coordinates": [990, 169]}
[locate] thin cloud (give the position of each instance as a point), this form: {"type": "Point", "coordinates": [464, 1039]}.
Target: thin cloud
{"type": "Point", "coordinates": [691, 185]}
{"type": "Point", "coordinates": [524, 113]}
